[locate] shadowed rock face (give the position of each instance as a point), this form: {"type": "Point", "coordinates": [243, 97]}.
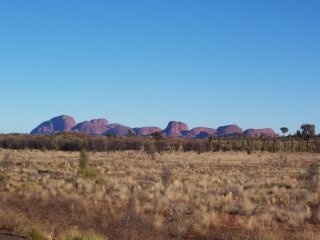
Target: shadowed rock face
{"type": "Point", "coordinates": [61, 123]}
{"type": "Point", "coordinates": [176, 129]}
{"type": "Point", "coordinates": [95, 126]}
{"type": "Point", "coordinates": [118, 130]}
{"type": "Point", "coordinates": [201, 132]}
{"type": "Point", "coordinates": [264, 132]}
{"type": "Point", "coordinates": [229, 130]}
{"type": "Point", "coordinates": [146, 131]}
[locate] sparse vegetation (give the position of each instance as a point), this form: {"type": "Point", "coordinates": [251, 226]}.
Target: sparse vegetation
{"type": "Point", "coordinates": [303, 141]}
{"type": "Point", "coordinates": [211, 195]}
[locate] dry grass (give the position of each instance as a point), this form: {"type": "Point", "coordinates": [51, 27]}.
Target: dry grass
{"type": "Point", "coordinates": [132, 195]}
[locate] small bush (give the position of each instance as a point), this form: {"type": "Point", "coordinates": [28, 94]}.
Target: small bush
{"type": "Point", "coordinates": [201, 147]}
{"type": "Point", "coordinates": [84, 170]}
{"type": "Point", "coordinates": [3, 176]}
{"type": "Point", "coordinates": [150, 149]}
{"type": "Point", "coordinates": [198, 146]}
{"type": "Point", "coordinates": [89, 173]}
{"type": "Point", "coordinates": [176, 146]}
{"type": "Point", "coordinates": [77, 235]}
{"type": "Point", "coordinates": [35, 234]}
{"type": "Point", "coordinates": [188, 146]}
{"type": "Point", "coordinates": [249, 151]}
{"type": "Point", "coordinates": [133, 145]}
{"type": "Point", "coordinates": [234, 234]}
{"type": "Point", "coordinates": [115, 145]}
{"type": "Point", "coordinates": [161, 146]}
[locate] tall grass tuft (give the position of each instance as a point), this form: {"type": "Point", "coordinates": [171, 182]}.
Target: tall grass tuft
{"type": "Point", "coordinates": [166, 176]}
{"type": "Point", "coordinates": [84, 160]}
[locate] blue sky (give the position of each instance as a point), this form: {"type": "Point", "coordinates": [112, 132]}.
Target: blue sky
{"type": "Point", "coordinates": [140, 63]}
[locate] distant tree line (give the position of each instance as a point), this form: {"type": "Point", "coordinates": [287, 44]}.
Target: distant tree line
{"type": "Point", "coordinates": [304, 140]}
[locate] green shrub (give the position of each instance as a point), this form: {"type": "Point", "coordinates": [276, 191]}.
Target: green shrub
{"type": "Point", "coordinates": [84, 170]}
{"type": "Point", "coordinates": [3, 176]}
{"type": "Point", "coordinates": [35, 234]}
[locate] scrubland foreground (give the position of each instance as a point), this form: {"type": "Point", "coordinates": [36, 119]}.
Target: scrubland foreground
{"type": "Point", "coordinates": [175, 195]}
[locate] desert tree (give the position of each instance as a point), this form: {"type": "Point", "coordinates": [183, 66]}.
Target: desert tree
{"type": "Point", "coordinates": [298, 133]}
{"type": "Point", "coordinates": [110, 135]}
{"type": "Point", "coordinates": [308, 131]}
{"type": "Point", "coordinates": [131, 133]}
{"type": "Point", "coordinates": [157, 135]}
{"type": "Point", "coordinates": [284, 130]}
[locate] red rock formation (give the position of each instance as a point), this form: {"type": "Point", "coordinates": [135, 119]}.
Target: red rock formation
{"type": "Point", "coordinates": [176, 129]}
{"type": "Point", "coordinates": [201, 132]}
{"type": "Point", "coordinates": [118, 130]}
{"type": "Point", "coordinates": [229, 130]}
{"type": "Point", "coordinates": [94, 127]}
{"type": "Point", "coordinates": [146, 131]}
{"type": "Point", "coordinates": [61, 123]}
{"type": "Point", "coordinates": [264, 132]}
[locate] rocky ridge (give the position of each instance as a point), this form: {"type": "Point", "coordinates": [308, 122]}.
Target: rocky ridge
{"type": "Point", "coordinates": [175, 129]}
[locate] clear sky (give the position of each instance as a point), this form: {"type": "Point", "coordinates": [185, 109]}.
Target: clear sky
{"type": "Point", "coordinates": [139, 63]}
